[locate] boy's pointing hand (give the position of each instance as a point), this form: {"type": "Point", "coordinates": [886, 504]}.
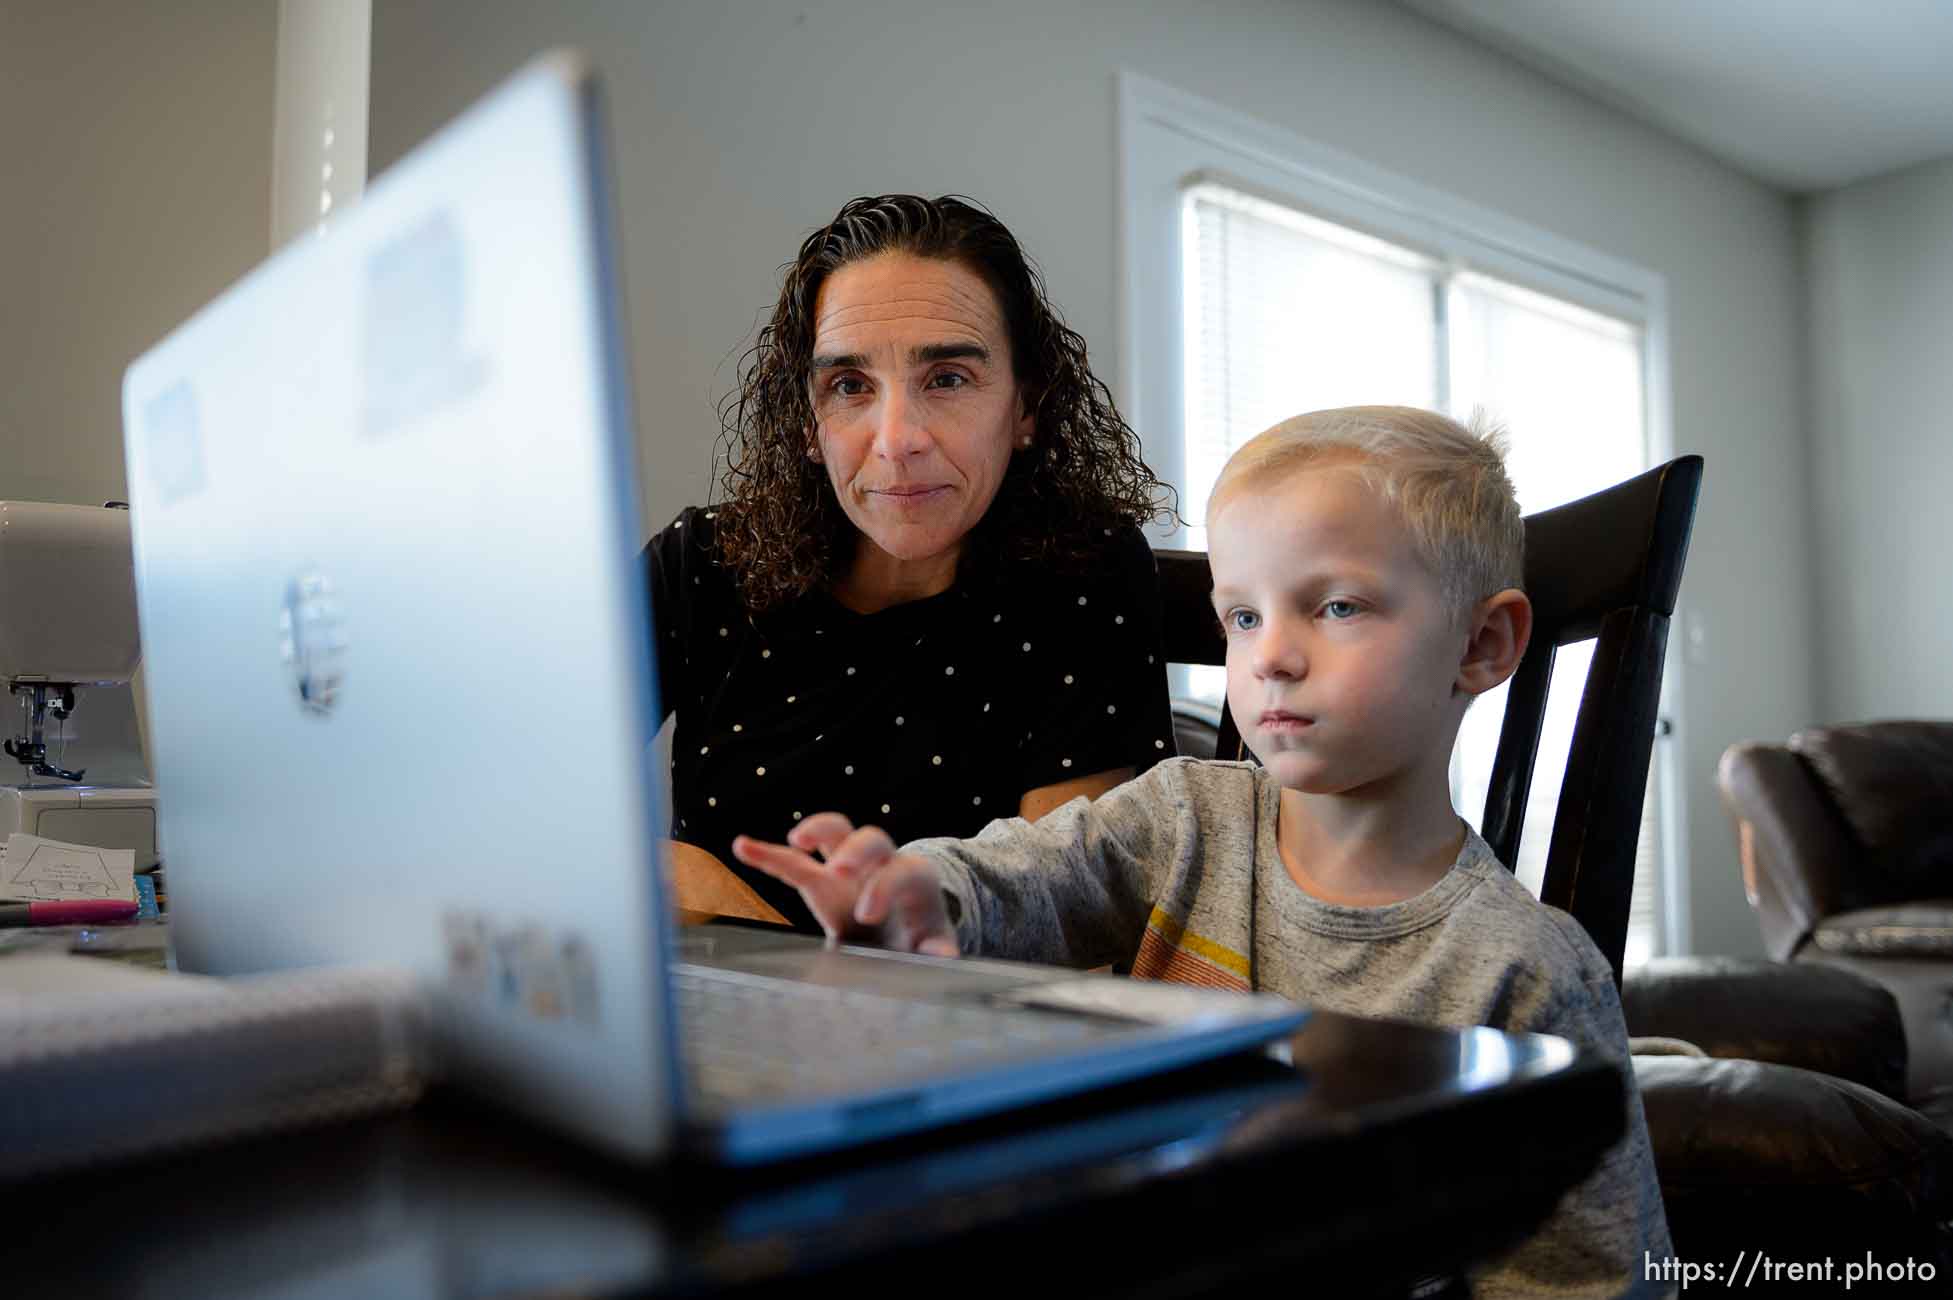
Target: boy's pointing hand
{"type": "Point", "coordinates": [864, 890]}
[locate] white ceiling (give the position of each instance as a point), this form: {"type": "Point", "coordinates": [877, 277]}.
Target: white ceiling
{"type": "Point", "coordinates": [1802, 94]}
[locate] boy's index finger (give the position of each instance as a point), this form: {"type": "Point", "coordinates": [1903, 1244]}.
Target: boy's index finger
{"type": "Point", "coordinates": [778, 861]}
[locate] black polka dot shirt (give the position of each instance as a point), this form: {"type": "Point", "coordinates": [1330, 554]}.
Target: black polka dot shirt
{"type": "Point", "coordinates": [927, 718]}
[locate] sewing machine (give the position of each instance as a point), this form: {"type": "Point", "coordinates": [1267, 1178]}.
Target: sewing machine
{"type": "Point", "coordinates": [68, 651]}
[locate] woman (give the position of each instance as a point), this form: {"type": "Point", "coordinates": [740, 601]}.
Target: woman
{"type": "Point", "coordinates": [923, 598]}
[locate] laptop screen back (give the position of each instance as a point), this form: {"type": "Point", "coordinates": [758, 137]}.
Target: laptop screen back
{"type": "Point", "coordinates": [397, 654]}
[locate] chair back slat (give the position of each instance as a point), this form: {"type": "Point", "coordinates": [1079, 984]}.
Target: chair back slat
{"type": "Point", "coordinates": [1597, 825]}
{"type": "Point", "coordinates": [1512, 763]}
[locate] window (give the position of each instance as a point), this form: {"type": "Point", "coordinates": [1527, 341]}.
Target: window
{"type": "Point", "coordinates": [1253, 359]}
{"type": "Point", "coordinates": [1306, 282]}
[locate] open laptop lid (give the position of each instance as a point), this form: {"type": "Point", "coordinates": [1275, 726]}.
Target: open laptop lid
{"type": "Point", "coordinates": [398, 662]}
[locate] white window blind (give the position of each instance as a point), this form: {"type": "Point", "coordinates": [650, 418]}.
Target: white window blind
{"type": "Point", "coordinates": [1256, 355]}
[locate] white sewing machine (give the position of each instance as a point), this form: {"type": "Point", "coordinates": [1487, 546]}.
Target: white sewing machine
{"type": "Point", "coordinates": [68, 649]}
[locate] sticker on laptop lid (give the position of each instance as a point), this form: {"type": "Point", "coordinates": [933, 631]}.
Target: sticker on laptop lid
{"type": "Point", "coordinates": [526, 969]}
{"type": "Point", "coordinates": [415, 309]}
{"type": "Point", "coordinates": [312, 641]}
{"type": "Point", "coordinates": [172, 440]}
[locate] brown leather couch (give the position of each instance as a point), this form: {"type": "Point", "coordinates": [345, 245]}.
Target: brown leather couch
{"type": "Point", "coordinates": [1846, 839]}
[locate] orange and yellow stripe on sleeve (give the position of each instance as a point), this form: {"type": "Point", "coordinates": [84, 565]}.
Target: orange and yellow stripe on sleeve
{"type": "Point", "coordinates": [1170, 952]}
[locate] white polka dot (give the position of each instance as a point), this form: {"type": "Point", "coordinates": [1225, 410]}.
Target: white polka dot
{"type": "Point", "coordinates": [1067, 679]}
{"type": "Point", "coordinates": [766, 654]}
{"type": "Point", "coordinates": [1111, 708]}
{"type": "Point", "coordinates": [850, 672]}
{"type": "Point", "coordinates": [849, 769]}
{"type": "Point", "coordinates": [1118, 618]}
{"type": "Point", "coordinates": [1108, 532]}
{"type": "Point", "coordinates": [898, 719]}
{"type": "Point", "coordinates": [722, 631]}
{"type": "Point", "coordinates": [950, 671]}
{"type": "Point", "coordinates": [738, 726]}
{"type": "Point", "coordinates": [704, 749]}
{"type": "Point", "coordinates": [819, 737]}
{"type": "Point", "coordinates": [1067, 763]}
{"type": "Point", "coordinates": [937, 759]}
{"type": "Point", "coordinates": [1027, 645]}
{"type": "Point", "coordinates": [1081, 600]}
{"type": "Point", "coordinates": [695, 582]}
{"type": "Point", "coordinates": [986, 706]}
{"type": "Point", "coordinates": [711, 802]}
{"type": "Point", "coordinates": [792, 698]}
{"type": "Point", "coordinates": [796, 814]}
{"type": "Point", "coordinates": [1149, 659]}
{"type": "Point", "coordinates": [977, 800]}
{"type": "Point", "coordinates": [884, 807]}
{"type": "Point", "coordinates": [759, 771]}
{"type": "Point", "coordinates": [1159, 744]}
{"type": "Point", "coordinates": [996, 618]}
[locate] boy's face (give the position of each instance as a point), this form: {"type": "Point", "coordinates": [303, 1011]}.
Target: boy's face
{"type": "Point", "coordinates": [1341, 654]}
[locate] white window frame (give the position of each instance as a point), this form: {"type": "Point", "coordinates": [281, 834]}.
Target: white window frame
{"type": "Point", "coordinates": [1167, 137]}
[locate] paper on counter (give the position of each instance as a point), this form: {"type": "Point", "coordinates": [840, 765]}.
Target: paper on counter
{"type": "Point", "coordinates": [33, 869]}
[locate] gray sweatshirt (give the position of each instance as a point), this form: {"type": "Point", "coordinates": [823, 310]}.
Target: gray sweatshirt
{"type": "Point", "coordinates": [1177, 875]}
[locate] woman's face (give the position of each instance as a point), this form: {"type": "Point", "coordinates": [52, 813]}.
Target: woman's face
{"type": "Point", "coordinates": [917, 410]}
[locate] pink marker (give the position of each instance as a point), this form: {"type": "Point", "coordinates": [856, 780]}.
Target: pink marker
{"type": "Point", "coordinates": [82, 911]}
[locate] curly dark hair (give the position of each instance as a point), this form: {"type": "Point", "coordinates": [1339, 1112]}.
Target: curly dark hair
{"type": "Point", "coordinates": [780, 530]}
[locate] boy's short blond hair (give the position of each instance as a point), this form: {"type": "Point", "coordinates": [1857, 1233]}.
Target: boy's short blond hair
{"type": "Point", "coordinates": [1447, 481]}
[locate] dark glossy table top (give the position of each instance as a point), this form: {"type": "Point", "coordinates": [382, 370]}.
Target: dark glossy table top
{"type": "Point", "coordinates": [1382, 1154]}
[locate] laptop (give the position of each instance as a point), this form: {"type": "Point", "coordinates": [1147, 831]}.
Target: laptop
{"type": "Point", "coordinates": [401, 692]}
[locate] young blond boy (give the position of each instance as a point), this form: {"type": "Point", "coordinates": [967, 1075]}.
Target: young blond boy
{"type": "Point", "coordinates": [1366, 567]}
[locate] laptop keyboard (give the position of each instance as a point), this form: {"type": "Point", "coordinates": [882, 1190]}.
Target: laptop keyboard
{"type": "Point", "coordinates": [751, 1041]}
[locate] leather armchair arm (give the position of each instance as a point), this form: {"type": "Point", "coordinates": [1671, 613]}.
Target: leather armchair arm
{"type": "Point", "coordinates": [1755, 1156]}
{"type": "Point", "coordinates": [1796, 851]}
{"type": "Point", "coordinates": [1821, 1018]}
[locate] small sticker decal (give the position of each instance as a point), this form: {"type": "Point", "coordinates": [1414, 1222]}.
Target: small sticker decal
{"type": "Point", "coordinates": [522, 969]}
{"type": "Point", "coordinates": [173, 441]}
{"type": "Point", "coordinates": [412, 317]}
{"type": "Point", "coordinates": [312, 641]}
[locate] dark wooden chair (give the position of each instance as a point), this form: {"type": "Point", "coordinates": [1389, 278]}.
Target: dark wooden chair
{"type": "Point", "coordinates": [1606, 566]}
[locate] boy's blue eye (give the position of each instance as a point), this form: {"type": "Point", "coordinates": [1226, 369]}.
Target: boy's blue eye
{"type": "Point", "coordinates": [1242, 620]}
{"type": "Point", "coordinates": [1340, 609]}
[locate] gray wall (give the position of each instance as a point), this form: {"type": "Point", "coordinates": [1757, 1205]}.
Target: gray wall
{"type": "Point", "coordinates": [1879, 260]}
{"type": "Point", "coordinates": [135, 183]}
